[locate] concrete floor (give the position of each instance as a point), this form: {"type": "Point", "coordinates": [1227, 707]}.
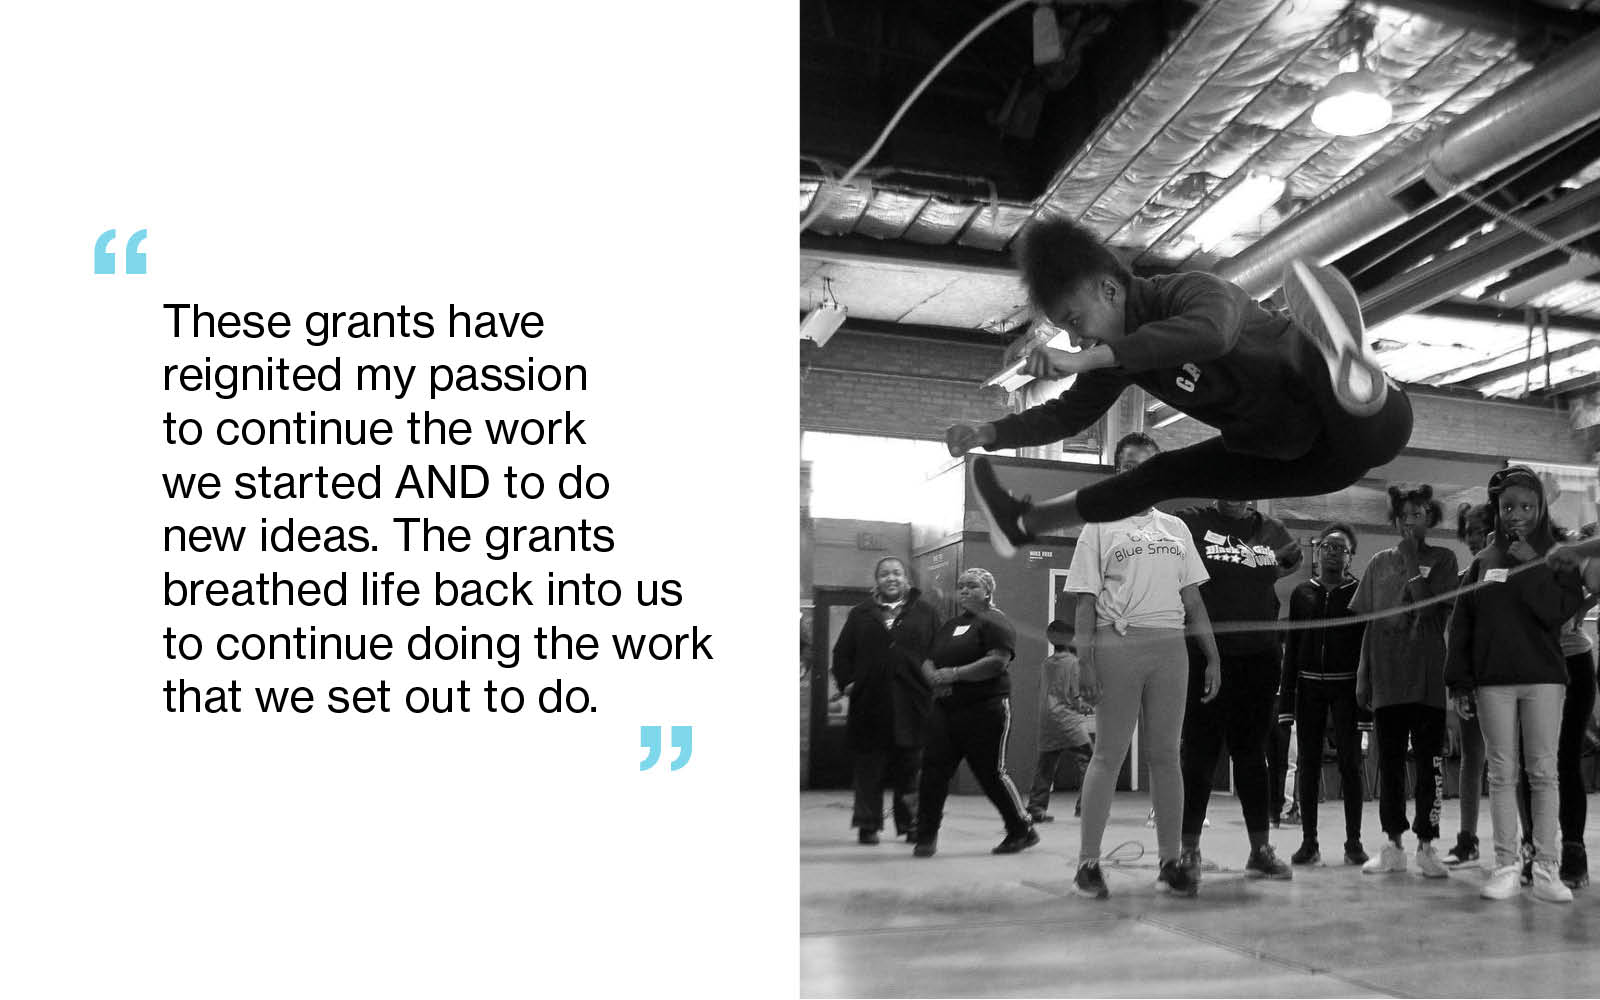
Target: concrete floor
{"type": "Point", "coordinates": [877, 922]}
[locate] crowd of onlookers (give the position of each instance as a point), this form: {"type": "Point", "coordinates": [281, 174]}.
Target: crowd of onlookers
{"type": "Point", "coordinates": [1177, 628]}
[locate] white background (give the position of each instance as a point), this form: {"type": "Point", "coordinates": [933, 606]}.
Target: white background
{"type": "Point", "coordinates": [625, 169]}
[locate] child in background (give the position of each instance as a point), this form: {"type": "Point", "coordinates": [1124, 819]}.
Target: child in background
{"type": "Point", "coordinates": [1065, 723]}
{"type": "Point", "coordinates": [1401, 676]}
{"type": "Point", "coordinates": [1505, 666]}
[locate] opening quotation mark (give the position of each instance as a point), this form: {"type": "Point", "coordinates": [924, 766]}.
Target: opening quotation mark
{"type": "Point", "coordinates": [650, 739]}
{"type": "Point", "coordinates": [105, 261]}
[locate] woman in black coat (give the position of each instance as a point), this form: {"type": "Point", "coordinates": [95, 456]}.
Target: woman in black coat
{"type": "Point", "coordinates": [877, 662]}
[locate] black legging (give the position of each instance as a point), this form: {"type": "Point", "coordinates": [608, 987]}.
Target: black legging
{"type": "Point", "coordinates": [977, 732]}
{"type": "Point", "coordinates": [1348, 447]}
{"type": "Point", "coordinates": [1314, 702]}
{"type": "Point", "coordinates": [1572, 794]}
{"type": "Point", "coordinates": [1239, 716]}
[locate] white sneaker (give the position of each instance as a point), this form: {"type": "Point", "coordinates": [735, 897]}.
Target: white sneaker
{"type": "Point", "coordinates": [1428, 861]}
{"type": "Point", "coordinates": [1326, 307]}
{"type": "Point", "coordinates": [1503, 883]}
{"type": "Point", "coordinates": [1390, 859]}
{"type": "Point", "coordinates": [1547, 884]}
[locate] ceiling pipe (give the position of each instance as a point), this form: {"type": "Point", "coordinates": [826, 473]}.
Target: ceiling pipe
{"type": "Point", "coordinates": [1541, 107]}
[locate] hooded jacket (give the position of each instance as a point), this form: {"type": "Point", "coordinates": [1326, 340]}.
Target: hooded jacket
{"type": "Point", "coordinates": [1204, 347]}
{"type": "Point", "coordinates": [1509, 630]}
{"type": "Point", "coordinates": [891, 698]}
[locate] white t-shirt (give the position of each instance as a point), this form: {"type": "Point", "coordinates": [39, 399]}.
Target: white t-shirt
{"type": "Point", "coordinates": [1136, 567]}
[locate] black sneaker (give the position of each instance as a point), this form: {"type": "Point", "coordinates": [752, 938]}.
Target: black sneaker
{"type": "Point", "coordinates": [1293, 815]}
{"type": "Point", "coordinates": [1574, 865]}
{"type": "Point", "coordinates": [1089, 881]}
{"type": "Point", "coordinates": [1325, 306]}
{"type": "Point", "coordinates": [1264, 863]}
{"type": "Point", "coordinates": [1308, 854]}
{"type": "Point", "coordinates": [925, 848]}
{"type": "Point", "coordinates": [1354, 853]}
{"type": "Point", "coordinates": [1277, 822]}
{"type": "Point", "coordinates": [1189, 861]}
{"type": "Point", "coordinates": [1465, 851]}
{"type": "Point", "coordinates": [865, 836]}
{"type": "Point", "coordinates": [1177, 879]}
{"type": "Point", "coordinates": [1002, 510]}
{"type": "Point", "coordinates": [1015, 844]}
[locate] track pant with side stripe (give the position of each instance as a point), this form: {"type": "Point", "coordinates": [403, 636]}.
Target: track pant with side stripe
{"type": "Point", "coordinates": [975, 732]}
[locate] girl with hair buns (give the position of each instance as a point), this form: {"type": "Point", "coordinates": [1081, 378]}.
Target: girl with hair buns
{"type": "Point", "coordinates": [1506, 668]}
{"type": "Point", "coordinates": [971, 715]}
{"type": "Point", "coordinates": [1401, 675]}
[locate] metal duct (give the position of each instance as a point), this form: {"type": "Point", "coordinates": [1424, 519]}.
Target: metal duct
{"type": "Point", "coordinates": [1538, 109]}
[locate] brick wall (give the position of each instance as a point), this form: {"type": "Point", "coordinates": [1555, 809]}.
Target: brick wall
{"type": "Point", "coordinates": [899, 387]}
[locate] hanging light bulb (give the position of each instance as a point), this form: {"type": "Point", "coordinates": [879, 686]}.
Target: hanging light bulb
{"type": "Point", "coordinates": [1352, 104]}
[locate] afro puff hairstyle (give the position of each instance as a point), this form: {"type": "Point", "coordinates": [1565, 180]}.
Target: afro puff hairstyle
{"type": "Point", "coordinates": [1467, 513]}
{"type": "Point", "coordinates": [1422, 496]}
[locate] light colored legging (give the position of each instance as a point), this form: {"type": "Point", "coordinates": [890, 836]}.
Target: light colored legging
{"type": "Point", "coordinates": [1146, 671]}
{"type": "Point", "coordinates": [1471, 782]}
{"type": "Point", "coordinates": [1535, 709]}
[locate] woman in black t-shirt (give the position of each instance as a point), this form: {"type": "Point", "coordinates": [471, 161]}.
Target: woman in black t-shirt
{"type": "Point", "coordinates": [971, 714]}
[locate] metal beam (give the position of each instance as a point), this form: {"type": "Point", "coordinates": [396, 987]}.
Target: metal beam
{"type": "Point", "coordinates": [1569, 217]}
{"type": "Point", "coordinates": [861, 249]}
{"type": "Point", "coordinates": [1479, 381]}
{"type": "Point", "coordinates": [1478, 312]}
{"type": "Point", "coordinates": [917, 331]}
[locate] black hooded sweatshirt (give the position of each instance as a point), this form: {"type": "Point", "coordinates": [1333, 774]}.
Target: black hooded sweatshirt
{"type": "Point", "coordinates": [1509, 631]}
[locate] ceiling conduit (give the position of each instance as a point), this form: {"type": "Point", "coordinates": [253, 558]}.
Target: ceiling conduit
{"type": "Point", "coordinates": [1539, 108]}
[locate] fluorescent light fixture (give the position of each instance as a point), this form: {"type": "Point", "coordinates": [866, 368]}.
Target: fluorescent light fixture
{"type": "Point", "coordinates": [1006, 378]}
{"type": "Point", "coordinates": [1243, 203]}
{"type": "Point", "coordinates": [823, 322]}
{"type": "Point", "coordinates": [1352, 104]}
{"type": "Point", "coordinates": [1046, 36]}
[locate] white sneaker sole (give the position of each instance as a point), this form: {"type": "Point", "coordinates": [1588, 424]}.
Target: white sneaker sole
{"type": "Point", "coordinates": [1358, 380]}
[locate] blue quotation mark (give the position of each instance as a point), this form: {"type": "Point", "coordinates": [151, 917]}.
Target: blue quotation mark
{"type": "Point", "coordinates": [650, 739]}
{"type": "Point", "coordinates": [105, 261]}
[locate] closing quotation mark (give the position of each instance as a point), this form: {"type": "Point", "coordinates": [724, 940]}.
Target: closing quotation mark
{"type": "Point", "coordinates": [105, 261]}
{"type": "Point", "coordinates": [650, 739]}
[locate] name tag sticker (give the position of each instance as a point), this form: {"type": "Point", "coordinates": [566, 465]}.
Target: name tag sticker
{"type": "Point", "coordinates": [1216, 539]}
{"type": "Point", "coordinates": [1494, 576]}
{"type": "Point", "coordinates": [963, 629]}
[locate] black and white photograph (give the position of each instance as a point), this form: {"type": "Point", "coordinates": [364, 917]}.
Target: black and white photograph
{"type": "Point", "coordinates": [1199, 504]}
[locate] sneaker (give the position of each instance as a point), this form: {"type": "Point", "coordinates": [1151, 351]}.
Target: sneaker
{"type": "Point", "coordinates": [1325, 306]}
{"type": "Point", "coordinates": [1354, 853]}
{"type": "Point", "coordinates": [1177, 879]}
{"type": "Point", "coordinates": [865, 836]}
{"type": "Point", "coordinates": [925, 848]}
{"type": "Point", "coordinates": [1502, 883]}
{"type": "Point", "coordinates": [1002, 510]}
{"type": "Point", "coordinates": [1308, 854]}
{"type": "Point", "coordinates": [1547, 884]}
{"type": "Point", "coordinates": [1465, 851]}
{"type": "Point", "coordinates": [1264, 863]}
{"type": "Point", "coordinates": [1277, 822]}
{"type": "Point", "coordinates": [1574, 865]}
{"type": "Point", "coordinates": [1428, 861]}
{"type": "Point", "coordinates": [1017, 843]}
{"type": "Point", "coordinates": [1150, 820]}
{"type": "Point", "coordinates": [1527, 864]}
{"type": "Point", "coordinates": [1089, 881]}
{"type": "Point", "coordinates": [1077, 809]}
{"type": "Point", "coordinates": [1189, 860]}
{"type": "Point", "coordinates": [1293, 815]}
{"type": "Point", "coordinates": [1040, 817]}
{"type": "Point", "coordinates": [1390, 859]}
